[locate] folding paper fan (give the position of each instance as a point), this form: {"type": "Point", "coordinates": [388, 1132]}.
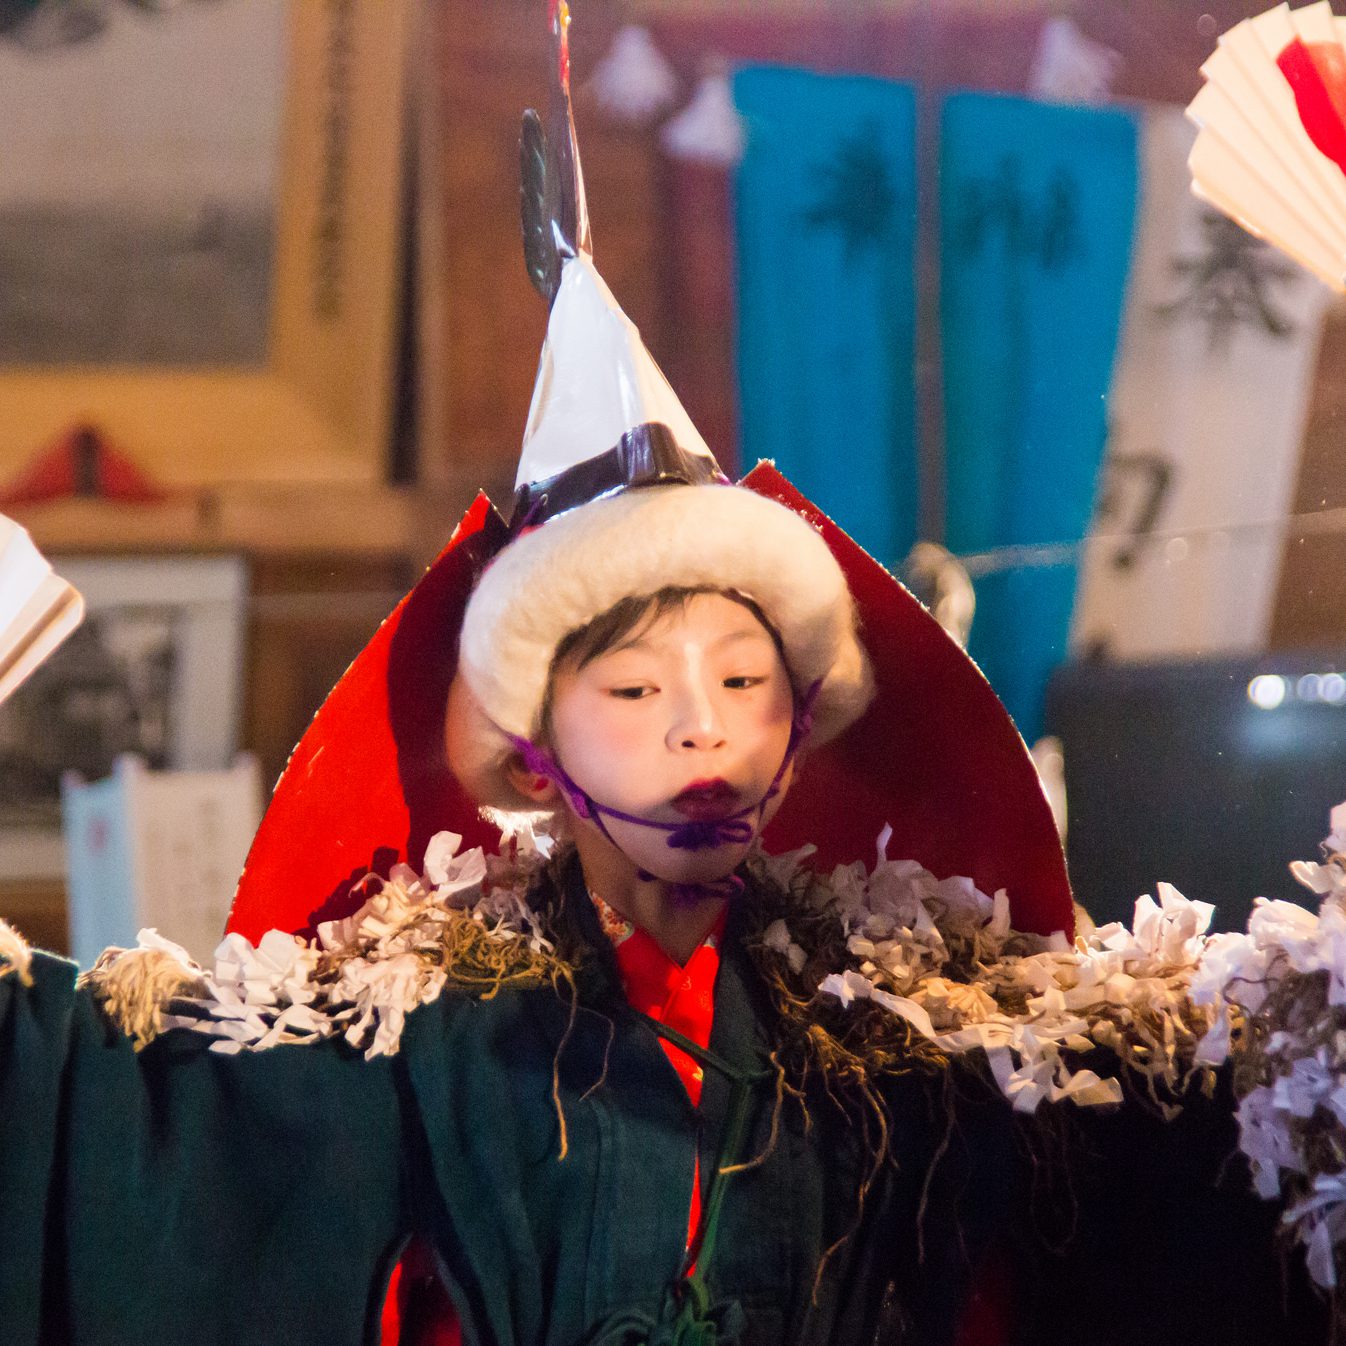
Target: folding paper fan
{"type": "Point", "coordinates": [38, 609]}
{"type": "Point", "coordinates": [1271, 150]}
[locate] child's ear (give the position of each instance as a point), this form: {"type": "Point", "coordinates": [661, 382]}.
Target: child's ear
{"type": "Point", "coordinates": [536, 788]}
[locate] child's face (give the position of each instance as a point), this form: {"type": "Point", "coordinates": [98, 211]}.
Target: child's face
{"type": "Point", "coordinates": [688, 717]}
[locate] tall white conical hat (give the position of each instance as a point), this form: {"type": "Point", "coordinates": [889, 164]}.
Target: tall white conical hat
{"type": "Point", "coordinates": [596, 383]}
{"type": "Point", "coordinates": [603, 418]}
{"type": "Point", "coordinates": [619, 496]}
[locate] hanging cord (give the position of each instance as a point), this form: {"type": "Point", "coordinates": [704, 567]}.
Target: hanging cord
{"type": "Point", "coordinates": [730, 1160]}
{"type": "Point", "coordinates": [688, 1316]}
{"type": "Point", "coordinates": [1026, 556]}
{"type": "Point", "coordinates": [690, 1289]}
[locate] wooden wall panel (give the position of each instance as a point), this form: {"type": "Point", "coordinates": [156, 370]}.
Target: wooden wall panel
{"type": "Point", "coordinates": [308, 617]}
{"type": "Point", "coordinates": [1310, 607]}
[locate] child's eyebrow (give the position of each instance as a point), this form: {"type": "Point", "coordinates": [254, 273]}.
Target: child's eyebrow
{"type": "Point", "coordinates": [641, 642]}
{"type": "Point", "coordinates": [743, 633]}
{"type": "Point", "coordinates": [631, 643]}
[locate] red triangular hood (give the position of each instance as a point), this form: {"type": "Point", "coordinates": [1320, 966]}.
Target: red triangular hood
{"type": "Point", "coordinates": [936, 756]}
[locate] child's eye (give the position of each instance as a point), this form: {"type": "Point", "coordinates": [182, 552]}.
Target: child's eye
{"type": "Point", "coordinates": [743, 682]}
{"type": "Point", "coordinates": [631, 693]}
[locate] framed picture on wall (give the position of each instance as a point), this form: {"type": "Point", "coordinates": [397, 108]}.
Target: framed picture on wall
{"type": "Point", "coordinates": [199, 220]}
{"type": "Point", "coordinates": [156, 669]}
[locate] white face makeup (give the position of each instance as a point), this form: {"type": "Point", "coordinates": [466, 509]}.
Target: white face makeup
{"type": "Point", "coordinates": [688, 718]}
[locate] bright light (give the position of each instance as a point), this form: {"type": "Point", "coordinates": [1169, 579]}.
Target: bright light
{"type": "Point", "coordinates": [1333, 689]}
{"type": "Point", "coordinates": [1267, 690]}
{"type": "Point", "coordinates": [1309, 687]}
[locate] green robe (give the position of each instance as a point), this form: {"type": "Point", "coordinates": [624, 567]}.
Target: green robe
{"type": "Point", "coordinates": [179, 1195]}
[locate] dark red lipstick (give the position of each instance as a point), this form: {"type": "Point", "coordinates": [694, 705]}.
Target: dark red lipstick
{"type": "Point", "coordinates": [706, 799]}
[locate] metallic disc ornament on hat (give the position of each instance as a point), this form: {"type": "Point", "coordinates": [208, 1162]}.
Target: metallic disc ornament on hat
{"type": "Point", "coordinates": [553, 211]}
{"type": "Point", "coordinates": [1271, 151]}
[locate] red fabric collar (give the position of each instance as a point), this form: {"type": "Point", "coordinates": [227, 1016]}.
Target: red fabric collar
{"type": "Point", "coordinates": [681, 996]}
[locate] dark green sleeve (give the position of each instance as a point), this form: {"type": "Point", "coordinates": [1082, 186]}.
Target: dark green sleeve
{"type": "Point", "coordinates": [190, 1195]}
{"type": "Point", "coordinates": [34, 1036]}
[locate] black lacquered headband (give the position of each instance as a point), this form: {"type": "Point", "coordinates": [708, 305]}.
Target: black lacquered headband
{"type": "Point", "coordinates": [648, 455]}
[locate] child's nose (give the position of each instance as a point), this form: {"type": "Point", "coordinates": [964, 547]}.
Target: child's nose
{"type": "Point", "coordinates": [698, 725]}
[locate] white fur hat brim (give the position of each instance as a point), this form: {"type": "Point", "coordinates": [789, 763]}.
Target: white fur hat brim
{"type": "Point", "coordinates": [557, 578]}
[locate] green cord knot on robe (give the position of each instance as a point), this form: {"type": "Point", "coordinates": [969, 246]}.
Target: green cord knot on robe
{"type": "Point", "coordinates": [686, 1318]}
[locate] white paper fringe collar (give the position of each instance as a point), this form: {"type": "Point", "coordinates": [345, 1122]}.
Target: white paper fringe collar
{"type": "Point", "coordinates": [1165, 998]}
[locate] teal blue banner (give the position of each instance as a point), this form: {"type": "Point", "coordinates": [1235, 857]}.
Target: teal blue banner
{"type": "Point", "coordinates": [826, 211]}
{"type": "Point", "coordinates": [1037, 203]}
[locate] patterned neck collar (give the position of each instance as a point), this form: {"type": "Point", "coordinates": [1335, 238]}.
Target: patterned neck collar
{"type": "Point", "coordinates": [619, 929]}
{"type": "Point", "coordinates": [612, 923]}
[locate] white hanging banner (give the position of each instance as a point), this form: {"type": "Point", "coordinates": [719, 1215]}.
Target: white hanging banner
{"type": "Point", "coordinates": [156, 848]}
{"type": "Point", "coordinates": [1206, 416]}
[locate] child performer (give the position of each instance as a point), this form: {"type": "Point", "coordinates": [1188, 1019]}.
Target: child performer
{"type": "Point", "coordinates": [644, 661]}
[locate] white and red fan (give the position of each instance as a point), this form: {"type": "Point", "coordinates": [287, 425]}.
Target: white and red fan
{"type": "Point", "coordinates": [1271, 150]}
